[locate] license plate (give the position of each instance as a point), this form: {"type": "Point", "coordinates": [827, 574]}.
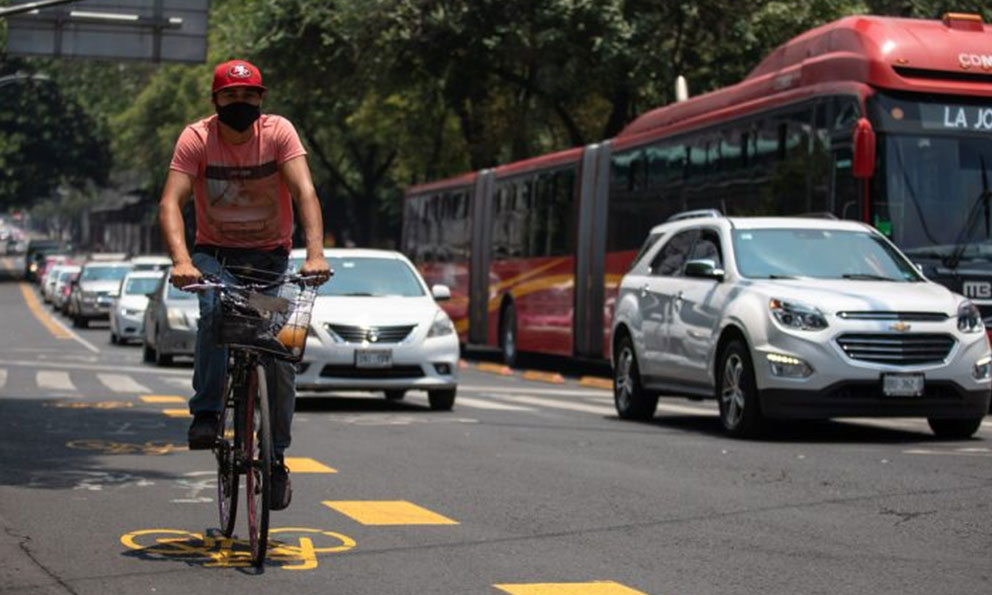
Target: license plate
{"type": "Point", "coordinates": [373, 358]}
{"type": "Point", "coordinates": [902, 385]}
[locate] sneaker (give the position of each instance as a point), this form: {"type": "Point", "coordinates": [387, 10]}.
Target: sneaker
{"type": "Point", "coordinates": [203, 431]}
{"type": "Point", "coordinates": [281, 489]}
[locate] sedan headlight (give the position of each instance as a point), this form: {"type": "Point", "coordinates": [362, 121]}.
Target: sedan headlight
{"type": "Point", "coordinates": [970, 318]}
{"type": "Point", "coordinates": [797, 316]}
{"type": "Point", "coordinates": [441, 326]}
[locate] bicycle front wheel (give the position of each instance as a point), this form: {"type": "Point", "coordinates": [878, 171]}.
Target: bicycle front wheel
{"type": "Point", "coordinates": [258, 451]}
{"type": "Point", "coordinates": [227, 452]}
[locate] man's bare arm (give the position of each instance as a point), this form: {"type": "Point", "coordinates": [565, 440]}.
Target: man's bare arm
{"type": "Point", "coordinates": [296, 173]}
{"type": "Point", "coordinates": [175, 195]}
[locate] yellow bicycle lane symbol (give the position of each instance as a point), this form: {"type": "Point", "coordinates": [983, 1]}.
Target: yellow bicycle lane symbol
{"type": "Point", "coordinates": [152, 447]}
{"type": "Point", "coordinates": [294, 548]}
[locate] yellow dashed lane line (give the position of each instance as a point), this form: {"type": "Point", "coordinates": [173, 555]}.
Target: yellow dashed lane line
{"type": "Point", "coordinates": [596, 382]}
{"type": "Point", "coordinates": [552, 377]}
{"type": "Point", "coordinates": [307, 465]}
{"type": "Point", "coordinates": [391, 512]}
{"type": "Point", "coordinates": [162, 399]}
{"type": "Point", "coordinates": [32, 301]}
{"type": "Point", "coordinates": [182, 413]}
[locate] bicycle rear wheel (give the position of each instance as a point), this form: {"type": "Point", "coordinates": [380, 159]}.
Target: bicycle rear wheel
{"type": "Point", "coordinates": [258, 451]}
{"type": "Point", "coordinates": [227, 451]}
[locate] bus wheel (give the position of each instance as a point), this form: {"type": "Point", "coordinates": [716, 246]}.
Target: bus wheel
{"type": "Point", "coordinates": [508, 335]}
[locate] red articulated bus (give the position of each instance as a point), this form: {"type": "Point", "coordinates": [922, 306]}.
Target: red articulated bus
{"type": "Point", "coordinates": [884, 120]}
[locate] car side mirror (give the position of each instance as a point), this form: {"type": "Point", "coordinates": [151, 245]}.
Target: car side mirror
{"type": "Point", "coordinates": [441, 293]}
{"type": "Point", "coordinates": [704, 269]}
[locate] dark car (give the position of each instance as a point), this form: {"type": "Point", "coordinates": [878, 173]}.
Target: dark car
{"type": "Point", "coordinates": [34, 256]}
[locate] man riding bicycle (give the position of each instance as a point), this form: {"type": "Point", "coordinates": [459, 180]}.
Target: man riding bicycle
{"type": "Point", "coordinates": [246, 171]}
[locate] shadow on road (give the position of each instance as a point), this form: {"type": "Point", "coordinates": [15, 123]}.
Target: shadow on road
{"type": "Point", "coordinates": [60, 444]}
{"type": "Point", "coordinates": [370, 403]}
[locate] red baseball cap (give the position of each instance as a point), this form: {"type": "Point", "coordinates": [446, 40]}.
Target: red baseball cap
{"type": "Point", "coordinates": [237, 73]}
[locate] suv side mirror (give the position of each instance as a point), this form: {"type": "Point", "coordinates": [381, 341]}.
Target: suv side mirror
{"type": "Point", "coordinates": [441, 293]}
{"type": "Point", "coordinates": [704, 269]}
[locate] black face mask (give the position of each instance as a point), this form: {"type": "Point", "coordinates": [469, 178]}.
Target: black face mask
{"type": "Point", "coordinates": [239, 116]}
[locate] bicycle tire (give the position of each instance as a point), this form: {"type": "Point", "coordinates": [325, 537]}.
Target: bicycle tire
{"type": "Point", "coordinates": [228, 478]}
{"type": "Point", "coordinates": [259, 471]}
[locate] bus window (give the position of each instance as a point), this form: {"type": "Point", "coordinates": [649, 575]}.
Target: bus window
{"type": "Point", "coordinates": [820, 162]}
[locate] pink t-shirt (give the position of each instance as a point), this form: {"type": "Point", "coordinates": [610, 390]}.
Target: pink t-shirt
{"type": "Point", "coordinates": [241, 199]}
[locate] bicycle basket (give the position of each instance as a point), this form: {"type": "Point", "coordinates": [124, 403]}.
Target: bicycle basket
{"type": "Point", "coordinates": [274, 319]}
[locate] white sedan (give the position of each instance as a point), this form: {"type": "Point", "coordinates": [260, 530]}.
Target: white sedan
{"type": "Point", "coordinates": [376, 326]}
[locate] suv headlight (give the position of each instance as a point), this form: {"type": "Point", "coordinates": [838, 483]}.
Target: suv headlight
{"type": "Point", "coordinates": [970, 318]}
{"type": "Point", "coordinates": [441, 326]}
{"type": "Point", "coordinates": [797, 316]}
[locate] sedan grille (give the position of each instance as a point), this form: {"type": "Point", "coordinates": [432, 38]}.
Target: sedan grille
{"type": "Point", "coordinates": [371, 334]}
{"type": "Point", "coordinates": [897, 350]}
{"type": "Point", "coordinates": [906, 316]}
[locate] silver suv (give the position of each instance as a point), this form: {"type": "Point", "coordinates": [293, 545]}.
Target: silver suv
{"type": "Point", "coordinates": [794, 318]}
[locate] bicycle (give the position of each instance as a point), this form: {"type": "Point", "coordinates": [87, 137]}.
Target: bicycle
{"type": "Point", "coordinates": [258, 319]}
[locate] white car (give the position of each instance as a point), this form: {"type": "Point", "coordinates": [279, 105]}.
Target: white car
{"type": "Point", "coordinates": [795, 318]}
{"type": "Point", "coordinates": [151, 263]}
{"type": "Point", "coordinates": [127, 312]}
{"type": "Point", "coordinates": [376, 326]}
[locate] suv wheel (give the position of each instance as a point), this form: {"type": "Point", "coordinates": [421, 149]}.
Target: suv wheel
{"type": "Point", "coordinates": [954, 429]}
{"type": "Point", "coordinates": [630, 398]}
{"type": "Point", "coordinates": [737, 393]}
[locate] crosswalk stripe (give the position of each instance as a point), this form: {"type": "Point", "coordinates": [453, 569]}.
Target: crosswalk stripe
{"type": "Point", "coordinates": [54, 380]}
{"type": "Point", "coordinates": [570, 392]}
{"type": "Point", "coordinates": [183, 382]}
{"type": "Point", "coordinates": [555, 404]}
{"type": "Point", "coordinates": [122, 383]}
{"type": "Point", "coordinates": [686, 409]}
{"type": "Point", "coordinates": [492, 405]}
{"type": "Point", "coordinates": [3, 377]}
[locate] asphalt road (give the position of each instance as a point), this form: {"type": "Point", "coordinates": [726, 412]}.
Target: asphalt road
{"type": "Point", "coordinates": [527, 488]}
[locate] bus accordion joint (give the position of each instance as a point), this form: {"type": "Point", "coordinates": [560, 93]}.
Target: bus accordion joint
{"type": "Point", "coordinates": [864, 149]}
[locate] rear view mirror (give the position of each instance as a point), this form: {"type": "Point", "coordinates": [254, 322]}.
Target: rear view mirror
{"type": "Point", "coordinates": [703, 269]}
{"type": "Point", "coordinates": [864, 150]}
{"type": "Point", "coordinates": [441, 293]}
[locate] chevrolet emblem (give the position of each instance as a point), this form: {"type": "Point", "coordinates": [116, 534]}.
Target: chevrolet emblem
{"type": "Point", "coordinates": [901, 327]}
{"type": "Point", "coordinates": [372, 336]}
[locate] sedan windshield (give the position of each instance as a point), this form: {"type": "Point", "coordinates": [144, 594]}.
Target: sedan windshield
{"type": "Point", "coordinates": [141, 286]}
{"type": "Point", "coordinates": [104, 273]}
{"type": "Point", "coordinates": [820, 254]}
{"type": "Point", "coordinates": [369, 277]}
{"type": "Point", "coordinates": [178, 294]}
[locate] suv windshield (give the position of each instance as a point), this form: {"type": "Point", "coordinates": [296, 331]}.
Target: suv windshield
{"type": "Point", "coordinates": [820, 254]}
{"type": "Point", "coordinates": [371, 277]}
{"type": "Point", "coordinates": [141, 286]}
{"type": "Point", "coordinates": [104, 273]}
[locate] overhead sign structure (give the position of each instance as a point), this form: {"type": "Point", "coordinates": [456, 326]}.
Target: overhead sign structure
{"type": "Point", "coordinates": [154, 30]}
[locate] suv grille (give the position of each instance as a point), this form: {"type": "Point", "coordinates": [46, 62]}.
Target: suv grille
{"type": "Point", "coordinates": [908, 316]}
{"type": "Point", "coordinates": [897, 350]}
{"type": "Point", "coordinates": [372, 334]}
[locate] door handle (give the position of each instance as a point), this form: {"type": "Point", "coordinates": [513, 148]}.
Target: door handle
{"type": "Point", "coordinates": [644, 290]}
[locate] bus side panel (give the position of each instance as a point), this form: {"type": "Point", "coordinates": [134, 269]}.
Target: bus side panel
{"type": "Point", "coordinates": [455, 276]}
{"type": "Point", "coordinates": [542, 291]}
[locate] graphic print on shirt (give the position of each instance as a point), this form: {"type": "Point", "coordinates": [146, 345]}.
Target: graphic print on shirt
{"type": "Point", "coordinates": [244, 201]}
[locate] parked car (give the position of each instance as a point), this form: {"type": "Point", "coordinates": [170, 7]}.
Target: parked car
{"type": "Point", "coordinates": [98, 284]}
{"type": "Point", "coordinates": [63, 285]}
{"type": "Point", "coordinates": [127, 312]}
{"type": "Point", "coordinates": [50, 276]}
{"type": "Point", "coordinates": [151, 263]}
{"type": "Point", "coordinates": [170, 323]}
{"type": "Point", "coordinates": [795, 318]}
{"type": "Point", "coordinates": [376, 326]}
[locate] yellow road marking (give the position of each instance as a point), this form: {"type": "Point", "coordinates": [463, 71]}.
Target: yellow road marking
{"type": "Point", "coordinates": [32, 301]}
{"type": "Point", "coordinates": [552, 377]}
{"type": "Point", "coordinates": [307, 465]}
{"type": "Point", "coordinates": [596, 382]}
{"type": "Point", "coordinates": [162, 399]}
{"type": "Point", "coordinates": [591, 588]}
{"type": "Point", "coordinates": [398, 512]}
{"type": "Point", "coordinates": [494, 369]}
{"type": "Point", "coordinates": [177, 413]}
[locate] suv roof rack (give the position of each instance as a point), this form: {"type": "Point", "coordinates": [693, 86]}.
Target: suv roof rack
{"type": "Point", "coordinates": [694, 215]}
{"type": "Point", "coordinates": [820, 215]}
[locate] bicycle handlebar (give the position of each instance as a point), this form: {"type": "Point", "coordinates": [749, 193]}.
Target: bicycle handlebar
{"type": "Point", "coordinates": [212, 282]}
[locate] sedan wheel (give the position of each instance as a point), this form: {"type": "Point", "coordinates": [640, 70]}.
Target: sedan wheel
{"type": "Point", "coordinates": [630, 398]}
{"type": "Point", "coordinates": [442, 400]}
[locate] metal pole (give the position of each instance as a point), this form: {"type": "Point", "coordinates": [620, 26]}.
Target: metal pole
{"type": "Point", "coordinates": [22, 8]}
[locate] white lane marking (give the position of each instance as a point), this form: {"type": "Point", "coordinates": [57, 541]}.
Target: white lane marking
{"type": "Point", "coordinates": [556, 404]}
{"type": "Point", "coordinates": [3, 377]}
{"type": "Point", "coordinates": [183, 382]}
{"type": "Point", "coordinates": [461, 401]}
{"type": "Point", "coordinates": [897, 423]}
{"type": "Point", "coordinates": [122, 383]}
{"type": "Point", "coordinates": [686, 409]}
{"type": "Point", "coordinates": [54, 380]}
{"type": "Point", "coordinates": [95, 367]}
{"type": "Point", "coordinates": [584, 392]}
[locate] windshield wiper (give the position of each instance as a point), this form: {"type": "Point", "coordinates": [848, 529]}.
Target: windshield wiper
{"type": "Point", "coordinates": [868, 277]}
{"type": "Point", "coordinates": [357, 294]}
{"type": "Point", "coordinates": [954, 259]}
